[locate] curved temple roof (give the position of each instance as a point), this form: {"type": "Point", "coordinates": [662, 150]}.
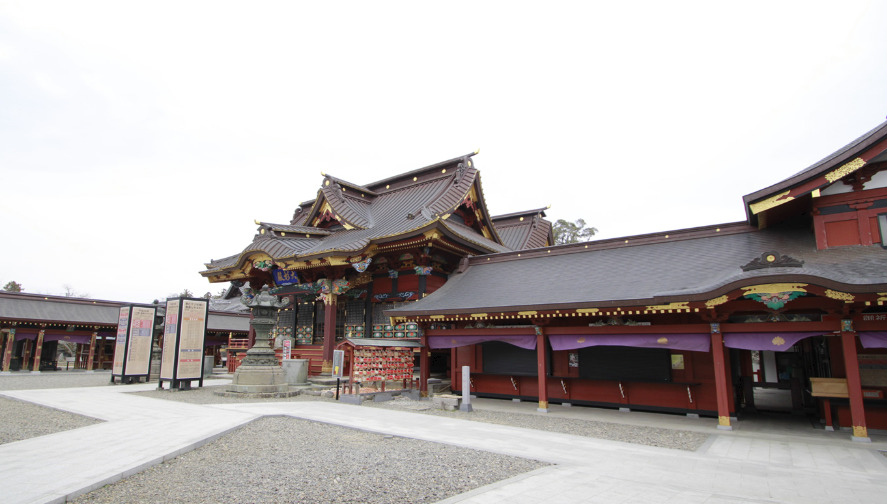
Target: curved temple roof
{"type": "Point", "coordinates": [410, 203]}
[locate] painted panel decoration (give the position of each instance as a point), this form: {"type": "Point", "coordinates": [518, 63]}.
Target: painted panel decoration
{"type": "Point", "coordinates": [775, 296]}
{"type": "Point", "coordinates": [263, 265]}
{"type": "Point", "coordinates": [362, 266]}
{"type": "Point", "coordinates": [775, 300]}
{"type": "Point", "coordinates": [286, 277]}
{"type": "Point", "coordinates": [340, 286]}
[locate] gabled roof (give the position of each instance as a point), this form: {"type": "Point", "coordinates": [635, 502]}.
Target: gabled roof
{"type": "Point", "coordinates": [869, 148]}
{"type": "Point", "coordinates": [686, 265]}
{"type": "Point", "coordinates": [383, 211]}
{"type": "Point", "coordinates": [524, 230]}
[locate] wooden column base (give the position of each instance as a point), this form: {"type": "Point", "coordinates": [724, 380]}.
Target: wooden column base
{"type": "Point", "coordinates": [861, 434]}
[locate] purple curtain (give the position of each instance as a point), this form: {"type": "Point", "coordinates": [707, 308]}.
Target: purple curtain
{"type": "Point", "coordinates": [777, 341]}
{"type": "Point", "coordinates": [28, 334]}
{"type": "Point", "coordinates": [527, 341]}
{"type": "Point", "coordinates": [691, 342]}
{"type": "Point", "coordinates": [71, 338]}
{"type": "Point", "coordinates": [874, 339]}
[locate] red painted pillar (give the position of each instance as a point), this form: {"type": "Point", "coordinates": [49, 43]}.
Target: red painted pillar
{"type": "Point", "coordinates": [854, 384]}
{"type": "Point", "coordinates": [721, 382]}
{"type": "Point", "coordinates": [329, 332]}
{"type": "Point", "coordinates": [26, 354]}
{"type": "Point", "coordinates": [38, 349]}
{"type": "Point", "coordinates": [424, 361]}
{"type": "Point", "coordinates": [542, 370]}
{"type": "Point", "coordinates": [91, 358]}
{"type": "Point", "coordinates": [7, 355]}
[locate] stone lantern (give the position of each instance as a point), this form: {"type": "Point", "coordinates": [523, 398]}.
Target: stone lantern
{"type": "Point", "coordinates": [259, 372]}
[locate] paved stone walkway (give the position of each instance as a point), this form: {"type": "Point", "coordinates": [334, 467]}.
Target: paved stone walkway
{"type": "Point", "coordinates": [763, 463]}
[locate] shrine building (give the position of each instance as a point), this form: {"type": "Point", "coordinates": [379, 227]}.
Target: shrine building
{"type": "Point", "coordinates": [34, 328]}
{"type": "Point", "coordinates": [693, 321]}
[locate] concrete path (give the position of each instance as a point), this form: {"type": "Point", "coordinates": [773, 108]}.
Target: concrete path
{"type": "Point", "coordinates": [747, 465]}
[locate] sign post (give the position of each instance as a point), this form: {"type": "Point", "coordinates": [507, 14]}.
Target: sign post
{"type": "Point", "coordinates": [338, 366]}
{"type": "Point", "coordinates": [287, 349]}
{"type": "Point", "coordinates": [466, 389]}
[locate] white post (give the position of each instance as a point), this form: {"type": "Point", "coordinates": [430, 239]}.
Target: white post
{"type": "Point", "coordinates": [466, 389]}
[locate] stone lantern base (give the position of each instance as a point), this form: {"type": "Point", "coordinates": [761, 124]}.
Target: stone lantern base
{"type": "Point", "coordinates": [262, 379]}
{"type": "Point", "coordinates": [259, 374]}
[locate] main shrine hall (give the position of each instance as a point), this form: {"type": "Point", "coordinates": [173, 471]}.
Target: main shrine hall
{"type": "Point", "coordinates": [694, 321]}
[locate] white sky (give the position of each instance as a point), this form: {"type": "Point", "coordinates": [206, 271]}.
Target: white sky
{"type": "Point", "coordinates": [139, 140]}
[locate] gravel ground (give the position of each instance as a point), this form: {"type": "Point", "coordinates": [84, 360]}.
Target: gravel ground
{"type": "Point", "coordinates": [23, 420]}
{"type": "Point", "coordinates": [17, 418]}
{"type": "Point", "coordinates": [343, 465]}
{"type": "Point", "coordinates": [650, 436]}
{"type": "Point", "coordinates": [305, 461]}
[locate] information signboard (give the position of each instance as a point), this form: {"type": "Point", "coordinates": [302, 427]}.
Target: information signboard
{"type": "Point", "coordinates": [338, 363]}
{"type": "Point", "coordinates": [132, 348]}
{"type": "Point", "coordinates": [120, 341]}
{"type": "Point", "coordinates": [141, 330]}
{"type": "Point", "coordinates": [184, 340]}
{"type": "Point", "coordinates": [170, 339]}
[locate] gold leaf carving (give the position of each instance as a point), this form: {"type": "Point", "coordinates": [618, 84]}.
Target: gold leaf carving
{"type": "Point", "coordinates": [711, 303]}
{"type": "Point", "coordinates": [770, 202]}
{"type": "Point", "coordinates": [844, 170]}
{"type": "Point", "coordinates": [534, 312]}
{"type": "Point", "coordinates": [595, 310]}
{"type": "Point", "coordinates": [662, 341]}
{"type": "Point", "coordinates": [778, 341]}
{"type": "Point", "coordinates": [775, 288]}
{"type": "Point", "coordinates": [840, 296]}
{"type": "Point", "coordinates": [478, 315]}
{"type": "Point", "coordinates": [683, 305]}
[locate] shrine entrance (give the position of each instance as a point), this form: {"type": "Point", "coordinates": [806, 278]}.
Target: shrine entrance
{"type": "Point", "coordinates": [778, 381]}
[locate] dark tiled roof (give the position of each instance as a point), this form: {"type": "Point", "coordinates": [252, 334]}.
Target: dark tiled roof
{"type": "Point", "coordinates": [692, 265]}
{"type": "Point", "coordinates": [38, 308]}
{"type": "Point", "coordinates": [57, 309]}
{"type": "Point", "coordinates": [378, 212]}
{"type": "Point", "coordinates": [821, 167]}
{"type": "Point", "coordinates": [470, 235]}
{"type": "Point", "coordinates": [524, 230]}
{"type": "Point", "coordinates": [289, 228]}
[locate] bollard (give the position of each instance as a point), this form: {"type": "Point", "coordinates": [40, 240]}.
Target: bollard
{"type": "Point", "coordinates": [466, 389]}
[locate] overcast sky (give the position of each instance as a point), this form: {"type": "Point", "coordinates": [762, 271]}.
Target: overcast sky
{"type": "Point", "coordinates": [139, 140]}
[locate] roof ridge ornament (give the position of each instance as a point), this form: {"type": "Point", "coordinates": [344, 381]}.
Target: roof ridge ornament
{"type": "Point", "coordinates": [773, 259]}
